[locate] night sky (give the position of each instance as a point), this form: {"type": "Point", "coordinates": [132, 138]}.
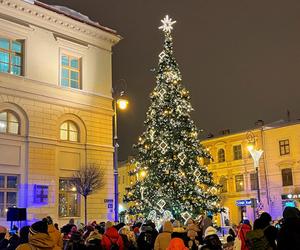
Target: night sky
{"type": "Point", "coordinates": [240, 60]}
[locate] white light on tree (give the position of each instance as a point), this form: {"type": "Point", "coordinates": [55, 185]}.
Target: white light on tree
{"type": "Point", "coordinates": [167, 24]}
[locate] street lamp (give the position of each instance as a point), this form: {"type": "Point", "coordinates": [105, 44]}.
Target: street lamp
{"type": "Point", "coordinates": [256, 155]}
{"type": "Point", "coordinates": [120, 102]}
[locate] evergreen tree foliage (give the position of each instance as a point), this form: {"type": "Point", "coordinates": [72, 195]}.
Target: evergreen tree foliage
{"type": "Point", "coordinates": [169, 151]}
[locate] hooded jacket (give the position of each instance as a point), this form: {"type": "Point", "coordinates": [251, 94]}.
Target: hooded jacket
{"type": "Point", "coordinates": [39, 241]}
{"type": "Point", "coordinates": [163, 239]}
{"type": "Point", "coordinates": [56, 237]}
{"type": "Point", "coordinates": [111, 236]}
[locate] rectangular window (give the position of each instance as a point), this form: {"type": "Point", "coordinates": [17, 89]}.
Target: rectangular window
{"type": "Point", "coordinates": [8, 193]}
{"type": "Point", "coordinates": [237, 152]}
{"type": "Point", "coordinates": [70, 71]}
{"type": "Point", "coordinates": [284, 147]}
{"type": "Point", "coordinates": [287, 177]}
{"type": "Point", "coordinates": [11, 56]}
{"type": "Point", "coordinates": [239, 183]}
{"type": "Point", "coordinates": [69, 199]}
{"type": "Point", "coordinates": [254, 181]}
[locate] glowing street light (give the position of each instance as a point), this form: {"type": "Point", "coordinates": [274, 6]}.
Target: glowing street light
{"type": "Point", "coordinates": [122, 103]}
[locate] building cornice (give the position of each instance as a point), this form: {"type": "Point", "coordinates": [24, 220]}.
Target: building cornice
{"type": "Point", "coordinates": [56, 22]}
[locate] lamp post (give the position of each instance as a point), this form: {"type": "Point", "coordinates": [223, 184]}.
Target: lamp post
{"type": "Point", "coordinates": [120, 102]}
{"type": "Point", "coordinates": [256, 155]}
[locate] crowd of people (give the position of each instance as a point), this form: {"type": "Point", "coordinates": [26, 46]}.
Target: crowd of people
{"type": "Point", "coordinates": [195, 235]}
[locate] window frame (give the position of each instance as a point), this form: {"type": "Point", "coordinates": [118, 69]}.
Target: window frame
{"type": "Point", "coordinates": [12, 53]}
{"type": "Point", "coordinates": [68, 131]}
{"type": "Point", "coordinates": [221, 155]}
{"type": "Point", "coordinates": [237, 154]}
{"type": "Point", "coordinates": [254, 185]}
{"type": "Point", "coordinates": [287, 177]}
{"type": "Point", "coordinates": [223, 181]}
{"type": "Point", "coordinates": [284, 147]}
{"type": "Point", "coordinates": [6, 190]}
{"type": "Point", "coordinates": [67, 194]}
{"type": "Point", "coordinates": [8, 122]}
{"type": "Point", "coordinates": [239, 181]}
{"type": "Point", "coordinates": [70, 69]}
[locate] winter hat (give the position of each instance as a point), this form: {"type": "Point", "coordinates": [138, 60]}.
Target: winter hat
{"type": "Point", "coordinates": [3, 230]}
{"type": "Point", "coordinates": [136, 230]}
{"type": "Point", "coordinates": [176, 244]}
{"type": "Point", "coordinates": [291, 213]}
{"type": "Point", "coordinates": [39, 227]}
{"type": "Point", "coordinates": [168, 227]}
{"type": "Point", "coordinates": [49, 220]}
{"type": "Point", "coordinates": [210, 231]}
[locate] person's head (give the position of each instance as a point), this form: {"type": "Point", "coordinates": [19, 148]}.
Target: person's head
{"type": "Point", "coordinates": [176, 244]}
{"type": "Point", "coordinates": [3, 232]}
{"type": "Point", "coordinates": [210, 231]}
{"type": "Point", "coordinates": [24, 233]}
{"type": "Point", "coordinates": [246, 222]}
{"type": "Point", "coordinates": [38, 227]}
{"type": "Point", "coordinates": [71, 221]}
{"type": "Point", "coordinates": [49, 220]}
{"type": "Point", "coordinates": [265, 219]}
{"type": "Point", "coordinates": [231, 232]}
{"type": "Point", "coordinates": [168, 227]}
{"type": "Point", "coordinates": [291, 213]}
{"type": "Point", "coordinates": [230, 238]}
{"type": "Point", "coordinates": [56, 226]}
{"type": "Point", "coordinates": [108, 225]}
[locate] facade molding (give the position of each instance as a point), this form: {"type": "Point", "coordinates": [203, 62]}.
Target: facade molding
{"type": "Point", "coordinates": [37, 14]}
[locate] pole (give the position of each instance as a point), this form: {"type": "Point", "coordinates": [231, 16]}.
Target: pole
{"type": "Point", "coordinates": [116, 175]}
{"type": "Point", "coordinates": [258, 189]}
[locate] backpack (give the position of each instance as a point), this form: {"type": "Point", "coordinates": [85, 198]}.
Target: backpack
{"type": "Point", "coordinates": [113, 245]}
{"type": "Point", "coordinates": [256, 240]}
{"type": "Point", "coordinates": [148, 238]}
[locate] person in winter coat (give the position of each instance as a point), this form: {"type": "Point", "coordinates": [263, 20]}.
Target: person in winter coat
{"type": "Point", "coordinates": [75, 242]}
{"type": "Point", "coordinates": [146, 238]}
{"type": "Point", "coordinates": [128, 238]}
{"type": "Point", "coordinates": [211, 240]}
{"type": "Point", "coordinates": [3, 240]}
{"type": "Point", "coordinates": [243, 229]}
{"type": "Point", "coordinates": [270, 232]}
{"type": "Point", "coordinates": [38, 238]}
{"type": "Point", "coordinates": [110, 237]}
{"type": "Point", "coordinates": [192, 234]}
{"type": "Point", "coordinates": [176, 244]}
{"type": "Point", "coordinates": [289, 233]}
{"type": "Point", "coordinates": [54, 234]}
{"type": "Point", "coordinates": [163, 239]}
{"type": "Point", "coordinates": [24, 233]}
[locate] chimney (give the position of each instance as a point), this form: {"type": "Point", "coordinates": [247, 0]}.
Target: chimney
{"type": "Point", "coordinates": [259, 123]}
{"type": "Point", "coordinates": [224, 132]}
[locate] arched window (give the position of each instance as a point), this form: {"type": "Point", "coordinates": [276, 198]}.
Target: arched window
{"type": "Point", "coordinates": [223, 183]}
{"type": "Point", "coordinates": [69, 131]}
{"type": "Point", "coordinates": [9, 123]}
{"type": "Point", "coordinates": [221, 155]}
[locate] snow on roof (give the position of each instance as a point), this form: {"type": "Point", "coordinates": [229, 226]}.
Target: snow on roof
{"type": "Point", "coordinates": [72, 14]}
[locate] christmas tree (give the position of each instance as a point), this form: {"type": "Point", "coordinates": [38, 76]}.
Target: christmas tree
{"type": "Point", "coordinates": [173, 182]}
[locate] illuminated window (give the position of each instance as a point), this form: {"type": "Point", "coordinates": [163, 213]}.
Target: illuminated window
{"type": "Point", "coordinates": [11, 56]}
{"type": "Point", "coordinates": [237, 152]}
{"type": "Point", "coordinates": [223, 183]}
{"type": "Point", "coordinates": [8, 193]}
{"type": "Point", "coordinates": [70, 71]}
{"type": "Point", "coordinates": [284, 147]}
{"type": "Point", "coordinates": [69, 199]}
{"type": "Point", "coordinates": [254, 181]}
{"type": "Point", "coordinates": [239, 183]}
{"type": "Point", "coordinates": [69, 132]}
{"type": "Point", "coordinates": [221, 155]}
{"type": "Point", "coordinates": [9, 123]}
{"type": "Point", "coordinates": [287, 177]}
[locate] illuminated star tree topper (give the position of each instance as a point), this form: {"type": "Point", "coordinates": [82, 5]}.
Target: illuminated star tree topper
{"type": "Point", "coordinates": [167, 24]}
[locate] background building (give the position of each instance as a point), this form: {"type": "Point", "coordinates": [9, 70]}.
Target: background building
{"type": "Point", "coordinates": [55, 109]}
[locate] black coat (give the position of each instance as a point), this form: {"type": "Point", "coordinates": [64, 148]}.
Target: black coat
{"type": "Point", "coordinates": [289, 235]}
